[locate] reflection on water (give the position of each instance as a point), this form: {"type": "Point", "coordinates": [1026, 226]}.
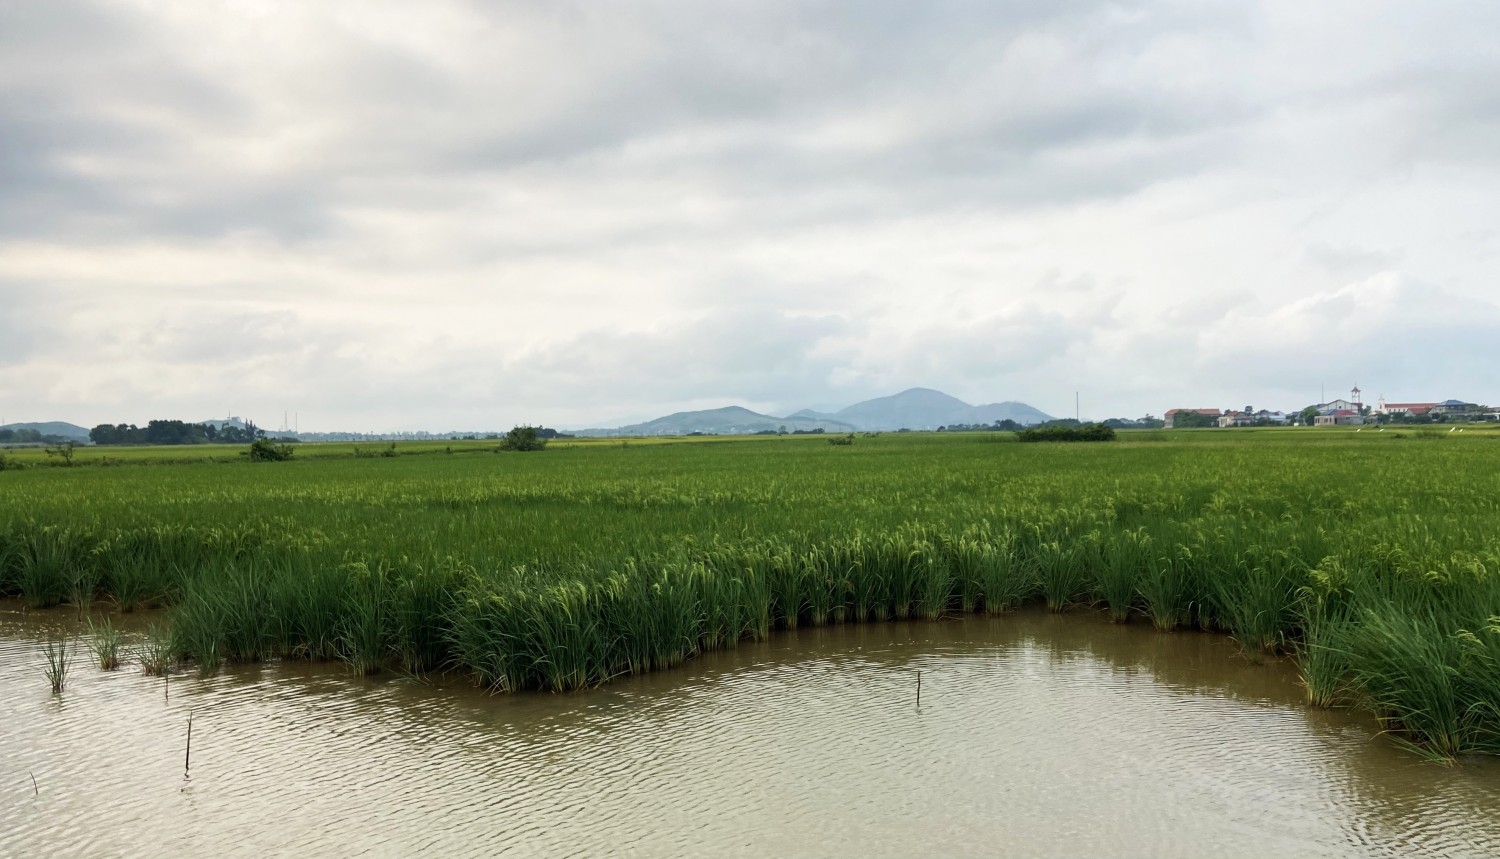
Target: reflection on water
{"type": "Point", "coordinates": [1037, 736]}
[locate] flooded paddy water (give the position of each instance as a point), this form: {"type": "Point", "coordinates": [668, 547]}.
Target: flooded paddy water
{"type": "Point", "coordinates": [1036, 735]}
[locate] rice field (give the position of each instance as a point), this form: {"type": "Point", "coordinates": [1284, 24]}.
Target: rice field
{"type": "Point", "coordinates": [1371, 559]}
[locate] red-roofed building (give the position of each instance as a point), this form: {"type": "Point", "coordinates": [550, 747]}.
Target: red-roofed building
{"type": "Point", "coordinates": [1385, 408]}
{"type": "Point", "coordinates": [1339, 417]}
{"type": "Point", "coordinates": [1169, 420]}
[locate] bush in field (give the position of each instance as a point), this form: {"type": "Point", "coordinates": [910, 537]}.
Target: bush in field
{"type": "Point", "coordinates": [1087, 432]}
{"type": "Point", "coordinates": [265, 450]}
{"type": "Point", "coordinates": [523, 438]}
{"type": "Point", "coordinates": [63, 452]}
{"type": "Point", "coordinates": [842, 440]}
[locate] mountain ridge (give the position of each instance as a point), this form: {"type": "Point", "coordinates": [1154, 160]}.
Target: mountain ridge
{"type": "Point", "coordinates": [61, 429]}
{"type": "Point", "coordinates": [914, 408]}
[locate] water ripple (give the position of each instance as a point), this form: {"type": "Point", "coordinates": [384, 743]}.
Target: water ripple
{"type": "Point", "coordinates": [1036, 736]}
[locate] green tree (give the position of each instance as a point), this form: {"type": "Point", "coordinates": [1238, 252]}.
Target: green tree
{"type": "Point", "coordinates": [264, 450]}
{"type": "Point", "coordinates": [523, 438]}
{"type": "Point", "coordinates": [1308, 416]}
{"type": "Point", "coordinates": [64, 451]}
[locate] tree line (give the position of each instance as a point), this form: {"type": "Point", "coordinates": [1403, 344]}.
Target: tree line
{"type": "Point", "coordinates": [174, 432]}
{"type": "Point", "coordinates": [29, 436]}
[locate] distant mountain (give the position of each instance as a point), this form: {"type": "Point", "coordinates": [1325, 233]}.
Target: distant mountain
{"type": "Point", "coordinates": [730, 420]}
{"type": "Point", "coordinates": [924, 408]}
{"type": "Point", "coordinates": [918, 408]}
{"type": "Point", "coordinates": [61, 429]}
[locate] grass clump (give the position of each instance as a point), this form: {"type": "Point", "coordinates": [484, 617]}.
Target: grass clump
{"type": "Point", "coordinates": [59, 660]}
{"type": "Point", "coordinates": [104, 640]}
{"type": "Point", "coordinates": [157, 653]}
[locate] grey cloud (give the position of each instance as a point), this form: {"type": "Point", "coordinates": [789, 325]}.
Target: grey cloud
{"type": "Point", "coordinates": [754, 76]}
{"type": "Point", "coordinates": [1370, 332]}
{"type": "Point", "coordinates": [784, 363]}
{"type": "Point", "coordinates": [756, 355]}
{"type": "Point", "coordinates": [776, 202]}
{"type": "Point", "coordinates": [1349, 262]}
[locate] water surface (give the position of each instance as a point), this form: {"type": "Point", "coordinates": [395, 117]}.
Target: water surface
{"type": "Point", "coordinates": [1037, 735]}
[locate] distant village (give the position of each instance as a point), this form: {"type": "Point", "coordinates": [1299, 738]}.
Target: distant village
{"type": "Point", "coordinates": [1341, 412]}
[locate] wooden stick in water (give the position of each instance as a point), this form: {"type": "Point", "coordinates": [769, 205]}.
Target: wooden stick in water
{"type": "Point", "coordinates": [187, 759]}
{"type": "Point", "coordinates": [919, 688]}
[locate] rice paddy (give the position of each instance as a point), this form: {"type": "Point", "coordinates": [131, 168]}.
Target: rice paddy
{"type": "Point", "coordinates": [1372, 561]}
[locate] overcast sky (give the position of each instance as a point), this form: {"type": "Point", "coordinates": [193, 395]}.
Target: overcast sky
{"type": "Point", "coordinates": [465, 215]}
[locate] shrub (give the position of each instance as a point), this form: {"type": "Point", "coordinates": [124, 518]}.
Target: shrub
{"type": "Point", "coordinates": [265, 450]}
{"type": "Point", "coordinates": [63, 451]}
{"type": "Point", "coordinates": [842, 440]}
{"type": "Point", "coordinates": [523, 438]}
{"type": "Point", "coordinates": [1087, 432]}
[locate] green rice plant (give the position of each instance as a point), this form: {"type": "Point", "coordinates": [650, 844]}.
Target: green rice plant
{"type": "Point", "coordinates": [310, 596]}
{"type": "Point", "coordinates": [482, 640]}
{"type": "Point", "coordinates": [559, 641]}
{"type": "Point", "coordinates": [935, 589]}
{"type": "Point", "coordinates": [83, 581]}
{"type": "Point", "coordinates": [10, 560]}
{"type": "Point", "coordinates": [963, 555]}
{"type": "Point", "coordinates": [821, 587]}
{"type": "Point", "coordinates": [1123, 558]}
{"type": "Point", "coordinates": [1479, 685]}
{"type": "Point", "coordinates": [786, 586]}
{"type": "Point", "coordinates": [59, 659]}
{"type": "Point", "coordinates": [1409, 669]}
{"type": "Point", "coordinates": [1256, 596]}
{"type": "Point", "coordinates": [1323, 612]}
{"type": "Point", "coordinates": [866, 582]}
{"type": "Point", "coordinates": [737, 602]}
{"type": "Point", "coordinates": [899, 561]}
{"type": "Point", "coordinates": [363, 622]}
{"type": "Point", "coordinates": [626, 602]}
{"type": "Point", "coordinates": [133, 580]}
{"type": "Point", "coordinates": [104, 639]}
{"type": "Point", "coordinates": [1005, 579]}
{"type": "Point", "coordinates": [718, 595]}
{"type": "Point", "coordinates": [569, 569]}
{"type": "Point", "coordinates": [755, 592]}
{"type": "Point", "coordinates": [157, 652]}
{"type": "Point", "coordinates": [47, 568]}
{"type": "Point", "coordinates": [222, 615]}
{"type": "Point", "coordinates": [421, 601]}
{"type": "Point", "coordinates": [841, 556]}
{"type": "Point", "coordinates": [1166, 589]}
{"type": "Point", "coordinates": [1062, 570]}
{"type": "Point", "coordinates": [243, 594]}
{"type": "Point", "coordinates": [677, 614]}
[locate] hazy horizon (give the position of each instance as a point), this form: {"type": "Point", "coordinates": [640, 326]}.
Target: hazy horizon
{"type": "Point", "coordinates": [463, 215]}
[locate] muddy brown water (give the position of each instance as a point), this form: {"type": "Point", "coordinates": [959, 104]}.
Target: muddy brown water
{"type": "Point", "coordinates": [1037, 735]}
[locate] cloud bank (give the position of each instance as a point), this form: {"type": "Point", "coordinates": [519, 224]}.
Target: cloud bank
{"type": "Point", "coordinates": [464, 214]}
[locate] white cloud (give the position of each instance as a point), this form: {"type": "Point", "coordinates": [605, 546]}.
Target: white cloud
{"type": "Point", "coordinates": [462, 214]}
